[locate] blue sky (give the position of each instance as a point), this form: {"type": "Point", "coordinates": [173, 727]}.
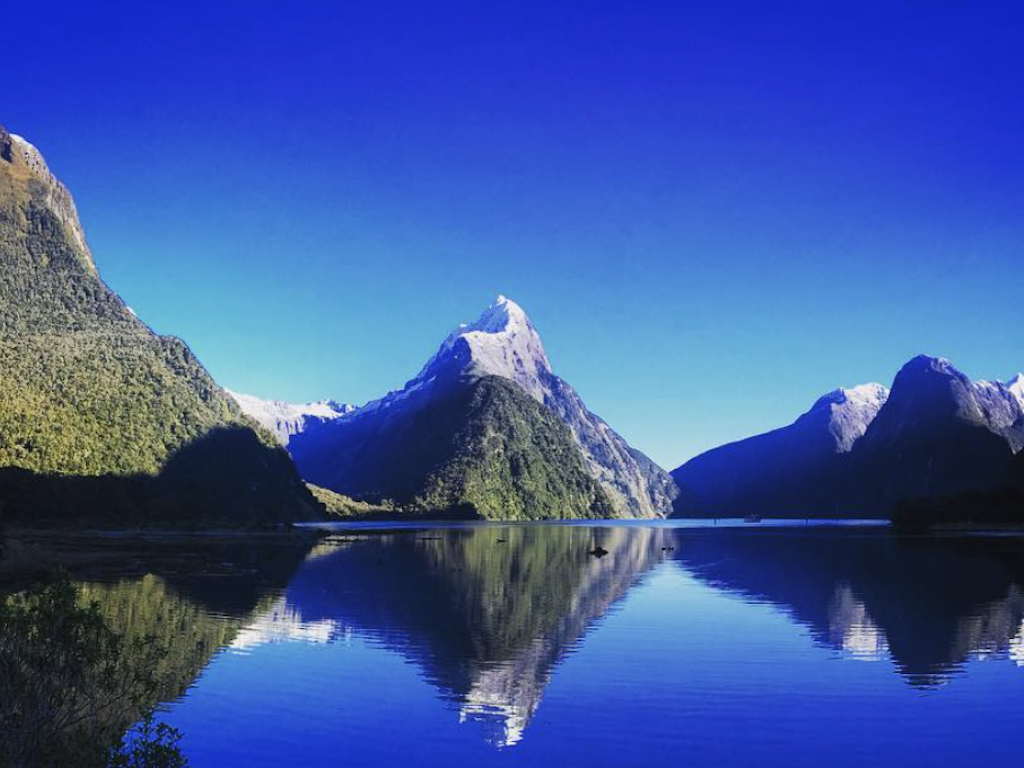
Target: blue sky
{"type": "Point", "coordinates": [712, 212]}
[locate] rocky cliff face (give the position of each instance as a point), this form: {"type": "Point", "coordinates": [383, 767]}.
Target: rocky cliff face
{"type": "Point", "coordinates": [1015, 386]}
{"type": "Point", "coordinates": [47, 189]}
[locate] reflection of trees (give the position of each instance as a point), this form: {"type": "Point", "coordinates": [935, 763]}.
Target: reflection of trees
{"type": "Point", "coordinates": [81, 664]}
{"type": "Point", "coordinates": [69, 685]}
{"type": "Point", "coordinates": [149, 607]}
{"type": "Point", "coordinates": [486, 612]}
{"type": "Point", "coordinates": [930, 602]}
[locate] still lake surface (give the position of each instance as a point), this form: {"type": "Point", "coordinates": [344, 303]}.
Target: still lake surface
{"type": "Point", "coordinates": [695, 644]}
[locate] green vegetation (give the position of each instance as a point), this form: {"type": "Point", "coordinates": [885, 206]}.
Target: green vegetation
{"type": "Point", "coordinates": [339, 505]}
{"type": "Point", "coordinates": [72, 687]}
{"type": "Point", "coordinates": [471, 448]}
{"type": "Point", "coordinates": [87, 390]}
{"type": "Point", "coordinates": [508, 458]}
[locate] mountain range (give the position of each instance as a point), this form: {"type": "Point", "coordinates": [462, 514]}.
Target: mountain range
{"type": "Point", "coordinates": [860, 452]}
{"type": "Point", "coordinates": [103, 419]}
{"type": "Point", "coordinates": [100, 416]}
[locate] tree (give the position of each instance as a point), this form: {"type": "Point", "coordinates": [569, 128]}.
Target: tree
{"type": "Point", "coordinates": [70, 687]}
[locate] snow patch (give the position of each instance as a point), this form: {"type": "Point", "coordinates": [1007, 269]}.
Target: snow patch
{"type": "Point", "coordinates": [851, 411]}
{"type": "Point", "coordinates": [1015, 387]}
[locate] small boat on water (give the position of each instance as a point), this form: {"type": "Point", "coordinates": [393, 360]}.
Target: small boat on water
{"type": "Point", "coordinates": [752, 519]}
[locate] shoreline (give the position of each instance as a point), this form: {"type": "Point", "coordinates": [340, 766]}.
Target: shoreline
{"type": "Point", "coordinates": [31, 553]}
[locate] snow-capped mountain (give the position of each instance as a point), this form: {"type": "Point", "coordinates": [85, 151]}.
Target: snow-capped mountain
{"type": "Point", "coordinates": [930, 393]}
{"type": "Point", "coordinates": [790, 470]}
{"type": "Point", "coordinates": [939, 434]}
{"type": "Point", "coordinates": [285, 420]}
{"type": "Point", "coordinates": [863, 450]}
{"type": "Point", "coordinates": [502, 343]}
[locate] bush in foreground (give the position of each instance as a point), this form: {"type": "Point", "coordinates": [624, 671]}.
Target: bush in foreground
{"type": "Point", "coordinates": [71, 688]}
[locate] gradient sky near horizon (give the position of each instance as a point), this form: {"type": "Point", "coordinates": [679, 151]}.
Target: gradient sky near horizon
{"type": "Point", "coordinates": [713, 212]}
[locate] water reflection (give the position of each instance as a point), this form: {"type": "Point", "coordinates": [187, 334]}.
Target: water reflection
{"type": "Point", "coordinates": [928, 603]}
{"type": "Point", "coordinates": [486, 613]}
{"type": "Point", "coordinates": [194, 599]}
{"type": "Point", "coordinates": [80, 663]}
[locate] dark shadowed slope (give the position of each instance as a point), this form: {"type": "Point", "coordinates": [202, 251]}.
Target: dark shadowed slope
{"type": "Point", "coordinates": [939, 434]}
{"type": "Point", "coordinates": [936, 434]}
{"type": "Point", "coordinates": [794, 470]}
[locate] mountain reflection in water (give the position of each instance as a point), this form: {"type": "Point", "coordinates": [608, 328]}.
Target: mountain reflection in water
{"type": "Point", "coordinates": [929, 603]}
{"type": "Point", "coordinates": [489, 615]}
{"type": "Point", "coordinates": [486, 613]}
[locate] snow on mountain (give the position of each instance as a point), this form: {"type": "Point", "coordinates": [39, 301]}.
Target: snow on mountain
{"type": "Point", "coordinates": [849, 412]}
{"type": "Point", "coordinates": [998, 406]}
{"type": "Point", "coordinates": [502, 342]}
{"type": "Point", "coordinates": [284, 419]}
{"type": "Point", "coordinates": [1015, 387]}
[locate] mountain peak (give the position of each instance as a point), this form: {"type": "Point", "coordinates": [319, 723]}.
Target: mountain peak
{"type": "Point", "coordinates": [920, 370]}
{"type": "Point", "coordinates": [501, 316]}
{"type": "Point", "coordinates": [931, 391]}
{"type": "Point", "coordinates": [501, 342]}
{"type": "Point", "coordinates": [25, 165]}
{"type": "Point", "coordinates": [930, 362]}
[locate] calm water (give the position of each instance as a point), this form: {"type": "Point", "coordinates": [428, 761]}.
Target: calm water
{"type": "Point", "coordinates": [511, 645]}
